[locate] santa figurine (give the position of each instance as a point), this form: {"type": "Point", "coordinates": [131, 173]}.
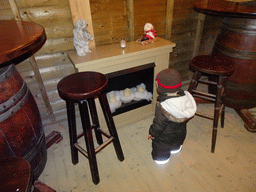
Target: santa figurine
{"type": "Point", "coordinates": [149, 32]}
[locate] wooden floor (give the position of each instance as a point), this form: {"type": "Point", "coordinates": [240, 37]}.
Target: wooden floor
{"type": "Point", "coordinates": [231, 168]}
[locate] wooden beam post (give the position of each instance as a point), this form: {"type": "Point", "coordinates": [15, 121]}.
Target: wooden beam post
{"type": "Point", "coordinates": [34, 66]}
{"type": "Point", "coordinates": [130, 6]}
{"type": "Point", "coordinates": [199, 31]}
{"type": "Point", "coordinates": [15, 9]}
{"type": "Point", "coordinates": [169, 18]}
{"type": "Point", "coordinates": [80, 9]}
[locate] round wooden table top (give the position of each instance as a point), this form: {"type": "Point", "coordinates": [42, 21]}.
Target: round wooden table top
{"type": "Point", "coordinates": [227, 8]}
{"type": "Point", "coordinates": [19, 40]}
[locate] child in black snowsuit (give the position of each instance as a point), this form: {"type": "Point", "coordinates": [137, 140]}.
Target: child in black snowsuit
{"type": "Point", "coordinates": [174, 108]}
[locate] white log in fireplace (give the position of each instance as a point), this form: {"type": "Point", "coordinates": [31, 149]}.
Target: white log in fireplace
{"type": "Point", "coordinates": [112, 59]}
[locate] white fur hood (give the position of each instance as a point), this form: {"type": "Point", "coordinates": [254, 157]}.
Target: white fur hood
{"type": "Point", "coordinates": [179, 108]}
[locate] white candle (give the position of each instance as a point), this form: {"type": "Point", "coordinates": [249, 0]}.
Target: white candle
{"type": "Point", "coordinates": [122, 42]}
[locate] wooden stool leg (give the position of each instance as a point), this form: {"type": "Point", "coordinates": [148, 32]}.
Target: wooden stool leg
{"type": "Point", "coordinates": [111, 126]}
{"type": "Point", "coordinates": [95, 120]}
{"type": "Point", "coordinates": [223, 117]}
{"type": "Point", "coordinates": [194, 81]}
{"type": "Point", "coordinates": [214, 137]}
{"type": "Point", "coordinates": [83, 107]}
{"type": "Point", "coordinates": [223, 101]}
{"type": "Point", "coordinates": [72, 130]}
{"type": "Point", "coordinates": [217, 111]}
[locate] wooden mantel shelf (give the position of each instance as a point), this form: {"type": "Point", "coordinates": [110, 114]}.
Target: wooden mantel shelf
{"type": "Point", "coordinates": [113, 54]}
{"type": "Point", "coordinates": [112, 58]}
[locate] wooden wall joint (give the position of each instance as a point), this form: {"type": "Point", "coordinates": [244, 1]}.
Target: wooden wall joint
{"type": "Point", "coordinates": [130, 7]}
{"type": "Point", "coordinates": [169, 19]}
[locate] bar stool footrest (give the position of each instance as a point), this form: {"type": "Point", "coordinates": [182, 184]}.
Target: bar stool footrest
{"type": "Point", "coordinates": [209, 116]}
{"type": "Point", "coordinates": [102, 132]}
{"type": "Point", "coordinates": [104, 144]}
{"type": "Point", "coordinates": [204, 94]}
{"type": "Point", "coordinates": [204, 97]}
{"type": "Point", "coordinates": [205, 116]}
{"type": "Point", "coordinates": [206, 82]}
{"type": "Point", "coordinates": [81, 150]}
{"type": "Point", "coordinates": [99, 148]}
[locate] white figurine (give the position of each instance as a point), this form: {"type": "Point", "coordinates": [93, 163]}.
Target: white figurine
{"type": "Point", "coordinates": [142, 93]}
{"type": "Point", "coordinates": [127, 95]}
{"type": "Point", "coordinates": [114, 100]}
{"type": "Point", "coordinates": [81, 37]}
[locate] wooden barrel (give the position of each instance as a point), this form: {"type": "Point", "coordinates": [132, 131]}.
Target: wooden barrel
{"type": "Point", "coordinates": [21, 133]}
{"type": "Point", "coordinates": [237, 41]}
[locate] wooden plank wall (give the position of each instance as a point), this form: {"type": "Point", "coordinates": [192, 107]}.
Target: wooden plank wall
{"type": "Point", "coordinates": [112, 20]}
{"type": "Point", "coordinates": [184, 28]}
{"type": "Point", "coordinates": [53, 15]}
{"type": "Point", "coordinates": [183, 34]}
{"type": "Point", "coordinates": [211, 28]}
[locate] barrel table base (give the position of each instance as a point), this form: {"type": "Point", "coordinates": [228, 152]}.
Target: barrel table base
{"type": "Point", "coordinates": [21, 128]}
{"type": "Point", "coordinates": [236, 41]}
{"type": "Point", "coordinates": [53, 137]}
{"type": "Point", "coordinates": [248, 118]}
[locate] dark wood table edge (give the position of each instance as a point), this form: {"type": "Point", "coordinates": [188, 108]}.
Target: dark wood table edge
{"type": "Point", "coordinates": [24, 51]}
{"type": "Point", "coordinates": [225, 14]}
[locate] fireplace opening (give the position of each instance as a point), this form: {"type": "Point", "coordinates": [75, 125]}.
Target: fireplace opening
{"type": "Point", "coordinates": [130, 78]}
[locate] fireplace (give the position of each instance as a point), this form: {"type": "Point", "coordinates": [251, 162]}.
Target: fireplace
{"type": "Point", "coordinates": [130, 78]}
{"type": "Point", "coordinates": [127, 68]}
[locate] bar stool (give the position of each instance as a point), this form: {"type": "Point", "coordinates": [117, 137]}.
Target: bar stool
{"type": "Point", "coordinates": [217, 70]}
{"type": "Point", "coordinates": [83, 88]}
